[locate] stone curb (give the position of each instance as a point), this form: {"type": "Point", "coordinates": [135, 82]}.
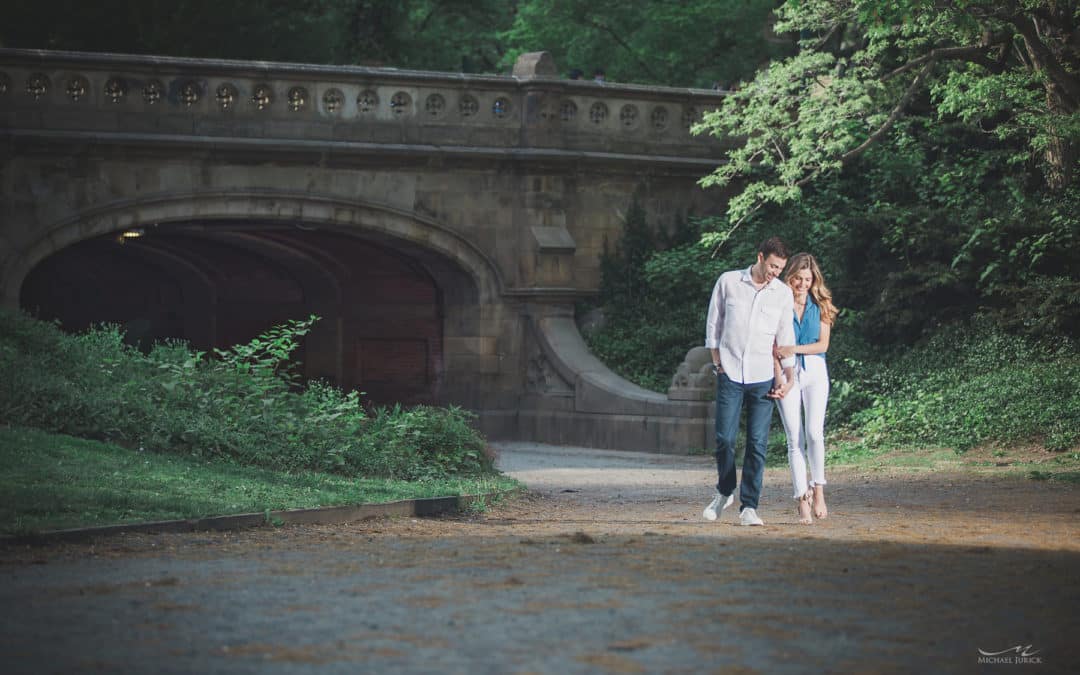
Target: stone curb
{"type": "Point", "coordinates": [431, 506]}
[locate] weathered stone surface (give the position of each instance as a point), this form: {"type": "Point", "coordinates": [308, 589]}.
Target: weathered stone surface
{"type": "Point", "coordinates": [694, 380]}
{"type": "Point", "coordinates": [535, 64]}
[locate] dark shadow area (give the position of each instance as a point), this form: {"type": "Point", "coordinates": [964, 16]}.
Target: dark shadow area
{"type": "Point", "coordinates": [365, 597]}
{"type": "Point", "coordinates": [220, 284]}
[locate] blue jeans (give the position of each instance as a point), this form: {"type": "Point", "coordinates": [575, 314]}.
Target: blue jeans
{"type": "Point", "coordinates": [730, 397]}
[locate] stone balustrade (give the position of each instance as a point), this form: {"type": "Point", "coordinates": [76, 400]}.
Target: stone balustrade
{"type": "Point", "coordinates": [120, 94]}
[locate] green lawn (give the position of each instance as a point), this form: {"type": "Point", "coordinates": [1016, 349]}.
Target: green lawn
{"type": "Point", "coordinates": [52, 481]}
{"type": "Point", "coordinates": [844, 450]}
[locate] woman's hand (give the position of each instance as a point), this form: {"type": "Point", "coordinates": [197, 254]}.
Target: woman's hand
{"type": "Point", "coordinates": [780, 388]}
{"type": "Point", "coordinates": [783, 352]}
{"type": "Point", "coordinates": [779, 392]}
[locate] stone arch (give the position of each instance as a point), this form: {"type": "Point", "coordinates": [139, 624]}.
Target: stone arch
{"type": "Point", "coordinates": [435, 243]}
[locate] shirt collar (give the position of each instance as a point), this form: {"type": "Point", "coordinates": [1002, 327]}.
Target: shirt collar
{"type": "Point", "coordinates": [748, 277]}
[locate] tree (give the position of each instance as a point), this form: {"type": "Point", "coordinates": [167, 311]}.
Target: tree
{"type": "Point", "coordinates": [1010, 68]}
{"type": "Point", "coordinates": [447, 35]}
{"type": "Point", "coordinates": [305, 30]}
{"type": "Point", "coordinates": [452, 35]}
{"type": "Point", "coordinates": [927, 147]}
{"type": "Point", "coordinates": [689, 43]}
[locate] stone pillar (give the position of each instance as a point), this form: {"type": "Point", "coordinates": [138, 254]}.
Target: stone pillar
{"type": "Point", "coordinates": [535, 64]}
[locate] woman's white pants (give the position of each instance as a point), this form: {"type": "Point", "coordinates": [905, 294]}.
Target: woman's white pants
{"type": "Point", "coordinates": [803, 414]}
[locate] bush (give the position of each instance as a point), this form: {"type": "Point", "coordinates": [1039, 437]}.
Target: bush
{"type": "Point", "coordinates": [243, 404]}
{"type": "Point", "coordinates": [420, 443]}
{"type": "Point", "coordinates": [973, 384]}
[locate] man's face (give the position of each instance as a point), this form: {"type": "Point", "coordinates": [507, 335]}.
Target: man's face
{"type": "Point", "coordinates": [771, 266]}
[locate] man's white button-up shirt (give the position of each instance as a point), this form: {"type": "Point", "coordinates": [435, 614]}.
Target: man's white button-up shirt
{"type": "Point", "coordinates": [744, 322]}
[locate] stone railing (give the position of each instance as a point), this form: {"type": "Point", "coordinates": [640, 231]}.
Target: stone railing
{"type": "Point", "coordinates": [117, 94]}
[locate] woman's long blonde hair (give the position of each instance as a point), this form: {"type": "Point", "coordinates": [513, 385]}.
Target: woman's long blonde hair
{"type": "Point", "coordinates": [818, 290]}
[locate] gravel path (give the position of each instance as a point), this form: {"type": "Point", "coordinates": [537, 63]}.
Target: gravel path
{"type": "Point", "coordinates": [606, 566]}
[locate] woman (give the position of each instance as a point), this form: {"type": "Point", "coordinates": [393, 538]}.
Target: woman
{"type": "Point", "coordinates": [802, 401]}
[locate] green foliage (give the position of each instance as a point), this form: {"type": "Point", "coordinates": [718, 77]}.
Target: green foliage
{"type": "Point", "coordinates": [646, 352]}
{"type": "Point", "coordinates": [809, 115]}
{"type": "Point", "coordinates": [198, 28]}
{"type": "Point", "coordinates": [695, 43]}
{"type": "Point", "coordinates": [243, 406]}
{"type": "Point", "coordinates": [933, 226]}
{"type": "Point", "coordinates": [926, 152]}
{"type": "Point", "coordinates": [453, 35]}
{"type": "Point", "coordinates": [448, 35]}
{"type": "Point", "coordinates": [421, 443]}
{"type": "Point", "coordinates": [974, 384]}
{"type": "Point", "coordinates": [679, 44]}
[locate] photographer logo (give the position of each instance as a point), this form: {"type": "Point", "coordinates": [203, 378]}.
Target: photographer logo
{"type": "Point", "coordinates": [1018, 655]}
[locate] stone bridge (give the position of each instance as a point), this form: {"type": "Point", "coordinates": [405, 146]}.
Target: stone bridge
{"type": "Point", "coordinates": [442, 225]}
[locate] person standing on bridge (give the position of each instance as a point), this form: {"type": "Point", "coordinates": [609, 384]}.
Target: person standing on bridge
{"type": "Point", "coordinates": [750, 311]}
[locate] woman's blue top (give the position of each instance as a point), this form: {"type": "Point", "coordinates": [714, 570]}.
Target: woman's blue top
{"type": "Point", "coordinates": [808, 331]}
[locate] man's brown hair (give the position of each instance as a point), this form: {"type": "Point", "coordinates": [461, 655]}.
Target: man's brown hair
{"type": "Point", "coordinates": [774, 246]}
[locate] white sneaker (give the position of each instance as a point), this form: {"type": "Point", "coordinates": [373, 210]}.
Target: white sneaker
{"type": "Point", "coordinates": [749, 517]}
{"type": "Point", "coordinates": [719, 503]}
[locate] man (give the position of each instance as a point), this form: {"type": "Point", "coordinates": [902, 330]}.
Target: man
{"type": "Point", "coordinates": [749, 311]}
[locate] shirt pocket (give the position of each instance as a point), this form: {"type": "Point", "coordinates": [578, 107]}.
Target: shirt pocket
{"type": "Point", "coordinates": [770, 319]}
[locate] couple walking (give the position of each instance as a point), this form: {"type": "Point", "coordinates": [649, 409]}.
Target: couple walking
{"type": "Point", "coordinates": [768, 341]}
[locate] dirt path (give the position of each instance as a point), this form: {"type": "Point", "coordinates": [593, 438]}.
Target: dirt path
{"type": "Point", "coordinates": [605, 567]}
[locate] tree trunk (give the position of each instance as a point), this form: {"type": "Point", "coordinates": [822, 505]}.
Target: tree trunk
{"type": "Point", "coordinates": [1059, 163]}
{"type": "Point", "coordinates": [1049, 40]}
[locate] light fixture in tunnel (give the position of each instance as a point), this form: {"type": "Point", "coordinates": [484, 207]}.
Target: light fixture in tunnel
{"type": "Point", "coordinates": [132, 233]}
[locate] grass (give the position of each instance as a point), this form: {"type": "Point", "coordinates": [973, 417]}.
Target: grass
{"type": "Point", "coordinates": [52, 481]}
{"type": "Point", "coordinates": [1034, 462]}
{"type": "Point", "coordinates": [843, 449]}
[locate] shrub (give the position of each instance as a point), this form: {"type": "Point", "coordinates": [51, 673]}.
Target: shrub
{"type": "Point", "coordinates": [972, 384]}
{"type": "Point", "coordinates": [420, 443]}
{"type": "Point", "coordinates": [243, 404]}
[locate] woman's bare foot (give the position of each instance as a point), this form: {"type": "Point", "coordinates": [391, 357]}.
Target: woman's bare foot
{"type": "Point", "coordinates": [820, 510]}
{"type": "Point", "coordinates": [804, 509]}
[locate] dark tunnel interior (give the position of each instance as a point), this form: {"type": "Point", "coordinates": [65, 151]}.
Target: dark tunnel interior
{"type": "Point", "coordinates": [220, 284]}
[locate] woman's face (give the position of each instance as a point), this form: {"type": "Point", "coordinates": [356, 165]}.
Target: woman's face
{"type": "Point", "coordinates": [800, 282]}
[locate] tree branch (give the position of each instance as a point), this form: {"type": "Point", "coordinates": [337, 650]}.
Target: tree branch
{"type": "Point", "coordinates": [622, 43]}
{"type": "Point", "coordinates": [873, 138]}
{"type": "Point", "coordinates": [740, 221]}
{"type": "Point", "coordinates": [897, 111]}
{"type": "Point", "coordinates": [828, 36]}
{"type": "Point", "coordinates": [1022, 57]}
{"type": "Point", "coordinates": [1067, 86]}
{"type": "Point", "coordinates": [974, 53]}
{"type": "Point", "coordinates": [927, 61]}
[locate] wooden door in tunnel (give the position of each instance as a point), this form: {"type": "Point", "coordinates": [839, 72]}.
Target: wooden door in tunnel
{"type": "Point", "coordinates": [391, 314]}
{"type": "Point", "coordinates": [217, 285]}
